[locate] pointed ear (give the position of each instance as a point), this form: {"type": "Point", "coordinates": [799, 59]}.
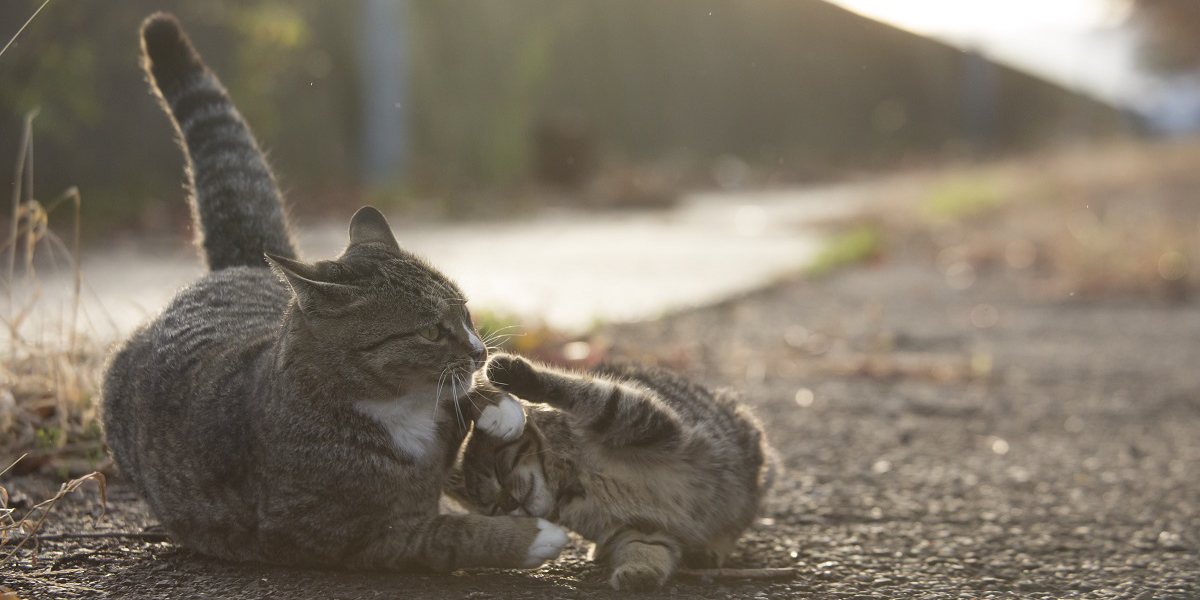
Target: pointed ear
{"type": "Point", "coordinates": [368, 226]}
{"type": "Point", "coordinates": [304, 280]}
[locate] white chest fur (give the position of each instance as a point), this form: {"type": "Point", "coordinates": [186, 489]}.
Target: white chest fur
{"type": "Point", "coordinates": [411, 420]}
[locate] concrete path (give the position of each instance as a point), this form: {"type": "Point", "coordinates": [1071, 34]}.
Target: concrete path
{"type": "Point", "coordinates": [566, 269]}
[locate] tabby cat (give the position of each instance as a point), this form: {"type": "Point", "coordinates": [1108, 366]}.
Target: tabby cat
{"type": "Point", "coordinates": [305, 413]}
{"type": "Point", "coordinates": [653, 468]}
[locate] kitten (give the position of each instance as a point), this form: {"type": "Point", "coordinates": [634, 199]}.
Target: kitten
{"type": "Point", "coordinates": [306, 413]}
{"type": "Point", "coordinates": [655, 469]}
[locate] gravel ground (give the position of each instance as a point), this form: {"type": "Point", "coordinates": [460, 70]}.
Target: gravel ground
{"type": "Point", "coordinates": [938, 444]}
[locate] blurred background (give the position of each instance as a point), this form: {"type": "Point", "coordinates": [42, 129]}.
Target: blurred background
{"type": "Point", "coordinates": [455, 111]}
{"type": "Point", "coordinates": [477, 125]}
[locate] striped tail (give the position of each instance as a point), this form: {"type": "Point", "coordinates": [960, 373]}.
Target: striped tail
{"type": "Point", "coordinates": [235, 202]}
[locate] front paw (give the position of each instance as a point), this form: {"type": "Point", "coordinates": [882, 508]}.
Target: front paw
{"type": "Point", "coordinates": [547, 545]}
{"type": "Point", "coordinates": [513, 374]}
{"type": "Point", "coordinates": [504, 420]}
{"type": "Point", "coordinates": [637, 578]}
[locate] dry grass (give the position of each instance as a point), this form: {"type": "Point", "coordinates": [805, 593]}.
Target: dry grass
{"type": "Point", "coordinates": [1116, 219]}
{"type": "Point", "coordinates": [48, 370]}
{"type": "Point", "coordinates": [22, 533]}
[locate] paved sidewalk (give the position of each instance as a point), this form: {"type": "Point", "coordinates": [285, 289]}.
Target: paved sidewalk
{"type": "Point", "coordinates": [938, 444]}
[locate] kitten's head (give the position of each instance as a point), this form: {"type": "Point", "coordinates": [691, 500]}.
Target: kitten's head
{"type": "Point", "coordinates": [383, 313]}
{"type": "Point", "coordinates": [510, 478]}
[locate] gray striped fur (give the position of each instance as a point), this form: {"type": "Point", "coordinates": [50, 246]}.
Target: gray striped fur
{"type": "Point", "coordinates": [305, 415]}
{"type": "Point", "coordinates": [234, 197]}
{"type": "Point", "coordinates": [655, 469]}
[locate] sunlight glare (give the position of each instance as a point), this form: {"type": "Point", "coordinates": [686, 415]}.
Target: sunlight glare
{"type": "Point", "coordinates": [956, 17]}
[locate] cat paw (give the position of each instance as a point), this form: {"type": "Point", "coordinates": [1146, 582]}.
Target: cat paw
{"type": "Point", "coordinates": [504, 420]}
{"type": "Point", "coordinates": [547, 545]}
{"type": "Point", "coordinates": [636, 578]}
{"type": "Point", "coordinates": [511, 373]}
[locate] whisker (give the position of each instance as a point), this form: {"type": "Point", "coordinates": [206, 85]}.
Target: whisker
{"type": "Point", "coordinates": [437, 397]}
{"type": "Point", "coordinates": [499, 329]}
{"type": "Point", "coordinates": [468, 397]}
{"type": "Point", "coordinates": [495, 333]}
{"type": "Point", "coordinates": [472, 391]}
{"type": "Point", "coordinates": [457, 408]}
{"type": "Point", "coordinates": [502, 338]}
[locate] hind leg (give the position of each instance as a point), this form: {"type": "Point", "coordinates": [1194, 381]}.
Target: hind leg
{"type": "Point", "coordinates": [640, 561]}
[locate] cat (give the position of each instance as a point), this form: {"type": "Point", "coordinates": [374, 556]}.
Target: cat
{"type": "Point", "coordinates": [655, 469]}
{"type": "Point", "coordinates": [299, 413]}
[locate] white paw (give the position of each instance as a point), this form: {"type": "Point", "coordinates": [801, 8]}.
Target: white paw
{"type": "Point", "coordinates": [504, 420]}
{"type": "Point", "coordinates": [547, 545]}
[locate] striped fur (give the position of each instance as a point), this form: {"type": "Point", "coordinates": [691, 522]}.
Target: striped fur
{"type": "Point", "coordinates": [234, 197]}
{"type": "Point", "coordinates": [305, 415]}
{"type": "Point", "coordinates": [653, 468]}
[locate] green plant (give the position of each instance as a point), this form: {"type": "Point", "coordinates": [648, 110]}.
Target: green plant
{"type": "Point", "coordinates": [49, 438]}
{"type": "Point", "coordinates": [846, 248]}
{"type": "Point", "coordinates": [960, 197]}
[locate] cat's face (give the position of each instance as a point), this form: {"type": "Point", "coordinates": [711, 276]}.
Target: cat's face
{"type": "Point", "coordinates": [508, 478]}
{"type": "Point", "coordinates": [388, 315]}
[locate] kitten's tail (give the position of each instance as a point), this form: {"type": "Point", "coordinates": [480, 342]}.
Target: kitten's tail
{"type": "Point", "coordinates": [235, 202]}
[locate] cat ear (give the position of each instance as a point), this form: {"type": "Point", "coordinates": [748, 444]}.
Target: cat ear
{"type": "Point", "coordinates": [368, 226]}
{"type": "Point", "coordinates": [304, 280]}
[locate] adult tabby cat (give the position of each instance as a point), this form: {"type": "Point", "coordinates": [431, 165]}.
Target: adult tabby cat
{"type": "Point", "coordinates": [655, 469]}
{"type": "Point", "coordinates": [301, 414]}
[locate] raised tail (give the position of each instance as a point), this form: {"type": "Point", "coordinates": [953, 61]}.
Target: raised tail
{"type": "Point", "coordinates": [235, 202]}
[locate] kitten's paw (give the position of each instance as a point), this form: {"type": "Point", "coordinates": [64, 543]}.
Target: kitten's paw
{"type": "Point", "coordinates": [504, 420]}
{"type": "Point", "coordinates": [512, 373]}
{"type": "Point", "coordinates": [547, 545]}
{"type": "Point", "coordinates": [637, 578]}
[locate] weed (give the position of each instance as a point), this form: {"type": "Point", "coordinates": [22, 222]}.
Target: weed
{"type": "Point", "coordinates": [48, 369]}
{"type": "Point", "coordinates": [961, 197]}
{"type": "Point", "coordinates": [50, 438]}
{"type": "Point", "coordinates": [18, 33]}
{"type": "Point", "coordinates": [1083, 221]}
{"type": "Point", "coordinates": [846, 248]}
{"type": "Point", "coordinates": [20, 532]}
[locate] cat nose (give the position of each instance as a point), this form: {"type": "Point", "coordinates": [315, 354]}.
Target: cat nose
{"type": "Point", "coordinates": [479, 351]}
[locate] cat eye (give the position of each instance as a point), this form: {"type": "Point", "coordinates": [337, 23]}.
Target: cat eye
{"type": "Point", "coordinates": [432, 334]}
